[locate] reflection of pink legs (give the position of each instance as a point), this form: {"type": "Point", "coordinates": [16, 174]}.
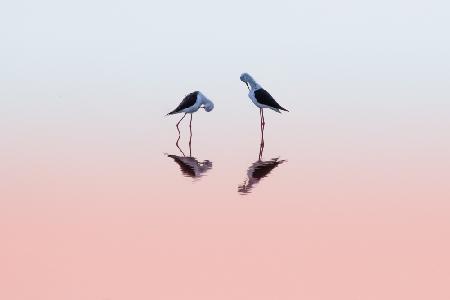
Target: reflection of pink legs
{"type": "Point", "coordinates": [180, 150]}
{"type": "Point", "coordinates": [261, 150]}
{"type": "Point", "coordinates": [179, 133]}
{"type": "Point", "coordinates": [190, 137]}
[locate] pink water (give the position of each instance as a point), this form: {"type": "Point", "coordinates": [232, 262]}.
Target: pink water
{"type": "Point", "coordinates": [92, 208]}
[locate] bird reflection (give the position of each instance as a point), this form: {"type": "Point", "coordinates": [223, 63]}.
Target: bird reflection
{"type": "Point", "coordinates": [190, 166]}
{"type": "Point", "coordinates": [259, 169]}
{"type": "Point", "coordinates": [256, 172]}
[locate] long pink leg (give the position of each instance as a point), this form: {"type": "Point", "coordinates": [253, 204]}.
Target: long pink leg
{"type": "Point", "coordinates": [179, 133]}
{"type": "Point", "coordinates": [263, 120]}
{"type": "Point", "coordinates": [262, 126]}
{"type": "Point", "coordinates": [190, 138]}
{"type": "Point", "coordinates": [260, 118]}
{"type": "Point", "coordinates": [261, 146]}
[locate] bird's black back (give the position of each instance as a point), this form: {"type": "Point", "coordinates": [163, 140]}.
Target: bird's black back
{"type": "Point", "coordinates": [263, 97]}
{"type": "Point", "coordinates": [188, 101]}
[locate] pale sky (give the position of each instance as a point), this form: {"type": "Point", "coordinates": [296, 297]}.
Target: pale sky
{"type": "Point", "coordinates": [101, 51]}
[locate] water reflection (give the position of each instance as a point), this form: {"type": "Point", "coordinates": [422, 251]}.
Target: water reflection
{"type": "Point", "coordinates": [190, 166]}
{"type": "Point", "coordinates": [256, 172]}
{"type": "Point", "coordinates": [259, 169]}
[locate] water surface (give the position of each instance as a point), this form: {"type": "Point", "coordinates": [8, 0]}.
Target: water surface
{"type": "Point", "coordinates": [349, 198]}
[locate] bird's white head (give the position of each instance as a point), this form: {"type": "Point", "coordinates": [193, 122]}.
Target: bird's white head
{"type": "Point", "coordinates": [248, 80]}
{"type": "Point", "coordinates": [245, 77]}
{"type": "Point", "coordinates": [208, 105]}
{"type": "Point", "coordinates": [205, 103]}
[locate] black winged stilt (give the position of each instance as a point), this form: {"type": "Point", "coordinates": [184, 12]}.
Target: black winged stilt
{"type": "Point", "coordinates": [261, 98]}
{"type": "Point", "coordinates": [189, 105]}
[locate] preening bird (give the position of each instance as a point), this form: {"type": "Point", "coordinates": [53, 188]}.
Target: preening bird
{"type": "Point", "coordinates": [190, 104]}
{"type": "Point", "coordinates": [260, 97]}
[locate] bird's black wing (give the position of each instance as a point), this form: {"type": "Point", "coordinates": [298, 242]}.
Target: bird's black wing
{"type": "Point", "coordinates": [188, 101]}
{"type": "Point", "coordinates": [263, 97]}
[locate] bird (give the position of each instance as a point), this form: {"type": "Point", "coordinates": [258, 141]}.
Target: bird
{"type": "Point", "coordinates": [261, 98]}
{"type": "Point", "coordinates": [189, 105]}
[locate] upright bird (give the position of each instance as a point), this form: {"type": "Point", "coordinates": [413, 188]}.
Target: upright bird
{"type": "Point", "coordinates": [189, 105]}
{"type": "Point", "coordinates": [261, 98]}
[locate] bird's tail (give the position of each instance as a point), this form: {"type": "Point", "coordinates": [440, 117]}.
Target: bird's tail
{"type": "Point", "coordinates": [282, 108]}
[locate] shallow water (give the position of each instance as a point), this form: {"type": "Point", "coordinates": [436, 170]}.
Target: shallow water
{"type": "Point", "coordinates": [101, 204]}
{"type": "Point", "coordinates": [349, 198]}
